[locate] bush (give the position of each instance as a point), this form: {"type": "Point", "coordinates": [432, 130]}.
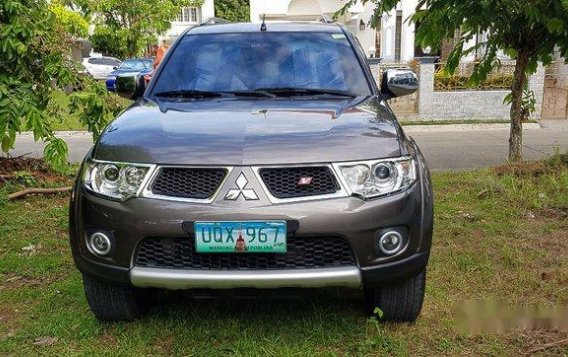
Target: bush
{"type": "Point", "coordinates": [443, 81]}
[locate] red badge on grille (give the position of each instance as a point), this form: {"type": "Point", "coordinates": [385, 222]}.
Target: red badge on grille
{"type": "Point", "coordinates": [304, 181]}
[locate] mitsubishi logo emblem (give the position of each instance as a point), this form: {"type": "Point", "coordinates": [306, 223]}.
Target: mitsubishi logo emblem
{"type": "Point", "coordinates": [248, 193]}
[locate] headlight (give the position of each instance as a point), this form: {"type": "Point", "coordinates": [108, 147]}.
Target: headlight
{"type": "Point", "coordinates": [120, 181]}
{"type": "Point", "coordinates": [379, 177]}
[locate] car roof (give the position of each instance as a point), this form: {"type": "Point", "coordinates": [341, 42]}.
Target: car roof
{"type": "Point", "coordinates": [247, 27]}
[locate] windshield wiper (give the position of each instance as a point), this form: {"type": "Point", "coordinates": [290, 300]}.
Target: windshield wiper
{"type": "Point", "coordinates": [292, 91]}
{"type": "Point", "coordinates": [251, 93]}
{"type": "Point", "coordinates": [185, 93]}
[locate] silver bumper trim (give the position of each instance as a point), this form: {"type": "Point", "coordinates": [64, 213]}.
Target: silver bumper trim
{"type": "Point", "coordinates": [177, 279]}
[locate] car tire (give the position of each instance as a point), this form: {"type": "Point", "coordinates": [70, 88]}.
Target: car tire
{"type": "Point", "coordinates": [112, 302]}
{"type": "Point", "coordinates": [400, 301]}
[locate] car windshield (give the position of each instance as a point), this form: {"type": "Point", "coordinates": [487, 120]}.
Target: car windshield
{"type": "Point", "coordinates": [136, 64]}
{"type": "Point", "coordinates": [276, 62]}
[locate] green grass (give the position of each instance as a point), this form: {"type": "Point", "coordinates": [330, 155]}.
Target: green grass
{"type": "Point", "coordinates": [499, 237]}
{"type": "Point", "coordinates": [70, 122]}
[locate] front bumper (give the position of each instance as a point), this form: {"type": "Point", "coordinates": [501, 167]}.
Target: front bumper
{"type": "Point", "coordinates": [355, 220]}
{"type": "Point", "coordinates": [110, 84]}
{"type": "Point", "coordinates": [221, 279]}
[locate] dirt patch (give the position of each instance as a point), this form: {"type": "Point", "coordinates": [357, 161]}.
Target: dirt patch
{"type": "Point", "coordinates": [554, 165]}
{"type": "Point", "coordinates": [560, 212]}
{"type": "Point", "coordinates": [23, 169]}
{"type": "Point", "coordinates": [17, 281]}
{"type": "Point", "coordinates": [9, 322]}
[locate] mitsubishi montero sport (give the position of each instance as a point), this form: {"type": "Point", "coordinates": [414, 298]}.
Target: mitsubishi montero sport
{"type": "Point", "coordinates": [257, 157]}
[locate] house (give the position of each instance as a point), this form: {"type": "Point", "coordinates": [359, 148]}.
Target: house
{"type": "Point", "coordinates": [187, 17]}
{"type": "Point", "coordinates": [392, 40]}
{"type": "Point", "coordinates": [356, 19]}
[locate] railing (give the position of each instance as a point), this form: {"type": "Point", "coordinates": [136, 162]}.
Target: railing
{"type": "Point", "coordinates": [501, 78]}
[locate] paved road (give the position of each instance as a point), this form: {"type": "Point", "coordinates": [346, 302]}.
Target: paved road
{"type": "Point", "coordinates": [445, 148]}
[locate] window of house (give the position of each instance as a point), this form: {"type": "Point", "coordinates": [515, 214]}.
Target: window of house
{"type": "Point", "coordinates": [189, 14]}
{"type": "Point", "coordinates": [398, 36]}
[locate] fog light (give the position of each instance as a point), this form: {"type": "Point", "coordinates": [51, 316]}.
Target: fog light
{"type": "Point", "coordinates": [99, 243]}
{"type": "Point", "coordinates": [390, 242]}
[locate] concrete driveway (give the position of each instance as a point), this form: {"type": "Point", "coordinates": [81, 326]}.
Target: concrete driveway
{"type": "Point", "coordinates": [445, 147]}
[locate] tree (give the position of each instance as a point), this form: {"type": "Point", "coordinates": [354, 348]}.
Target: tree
{"type": "Point", "coordinates": [233, 10]}
{"type": "Point", "coordinates": [72, 22]}
{"type": "Point", "coordinates": [35, 62]}
{"type": "Point", "coordinates": [125, 27]}
{"type": "Point", "coordinates": [527, 30]}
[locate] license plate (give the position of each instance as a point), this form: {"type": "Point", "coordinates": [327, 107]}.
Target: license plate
{"type": "Point", "coordinates": [240, 237]}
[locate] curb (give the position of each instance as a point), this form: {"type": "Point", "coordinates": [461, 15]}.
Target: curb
{"type": "Point", "coordinates": [466, 127]}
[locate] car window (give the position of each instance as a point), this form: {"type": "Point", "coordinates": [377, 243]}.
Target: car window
{"type": "Point", "coordinates": [95, 60]}
{"type": "Point", "coordinates": [263, 60]}
{"type": "Point", "coordinates": [136, 64]}
{"type": "Point", "coordinates": [110, 61]}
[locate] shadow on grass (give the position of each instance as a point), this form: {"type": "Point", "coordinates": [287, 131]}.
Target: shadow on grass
{"type": "Point", "coordinates": [293, 304]}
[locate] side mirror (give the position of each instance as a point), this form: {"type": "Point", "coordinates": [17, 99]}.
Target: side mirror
{"type": "Point", "coordinates": [130, 87]}
{"type": "Point", "coordinates": [115, 68]}
{"type": "Point", "coordinates": [398, 83]}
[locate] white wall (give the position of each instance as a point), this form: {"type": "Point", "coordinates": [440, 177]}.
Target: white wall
{"type": "Point", "coordinates": [309, 10]}
{"type": "Point", "coordinates": [207, 11]}
{"type": "Point", "coordinates": [407, 32]}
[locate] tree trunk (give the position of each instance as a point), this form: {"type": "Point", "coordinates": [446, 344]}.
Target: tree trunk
{"type": "Point", "coordinates": [519, 83]}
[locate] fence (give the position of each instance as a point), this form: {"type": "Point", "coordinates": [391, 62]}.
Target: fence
{"type": "Point", "coordinates": [446, 99]}
{"type": "Point", "coordinates": [500, 78]}
{"type": "Point", "coordinates": [404, 106]}
{"type": "Point", "coordinates": [555, 105]}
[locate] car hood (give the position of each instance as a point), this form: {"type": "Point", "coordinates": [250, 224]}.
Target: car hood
{"type": "Point", "coordinates": [251, 132]}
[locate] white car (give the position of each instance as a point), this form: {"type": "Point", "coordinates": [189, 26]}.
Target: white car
{"type": "Point", "coordinates": [100, 67]}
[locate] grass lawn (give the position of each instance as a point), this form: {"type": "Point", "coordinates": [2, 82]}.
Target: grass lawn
{"type": "Point", "coordinates": [70, 122]}
{"type": "Point", "coordinates": [501, 235]}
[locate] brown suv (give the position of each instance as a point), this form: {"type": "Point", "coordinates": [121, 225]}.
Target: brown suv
{"type": "Point", "coordinates": [256, 158]}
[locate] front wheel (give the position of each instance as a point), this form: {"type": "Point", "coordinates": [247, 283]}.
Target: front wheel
{"type": "Point", "coordinates": [111, 302]}
{"type": "Point", "coordinates": [399, 301]}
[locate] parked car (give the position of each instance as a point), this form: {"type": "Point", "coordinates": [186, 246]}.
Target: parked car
{"type": "Point", "coordinates": [130, 67]}
{"type": "Point", "coordinates": [256, 158]}
{"type": "Point", "coordinates": [100, 67]}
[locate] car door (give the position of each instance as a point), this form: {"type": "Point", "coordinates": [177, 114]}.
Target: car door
{"type": "Point", "coordinates": [96, 67]}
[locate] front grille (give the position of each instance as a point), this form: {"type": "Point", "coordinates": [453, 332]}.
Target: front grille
{"type": "Point", "coordinates": [197, 183]}
{"type": "Point", "coordinates": [303, 253]}
{"type": "Point", "coordinates": [284, 182]}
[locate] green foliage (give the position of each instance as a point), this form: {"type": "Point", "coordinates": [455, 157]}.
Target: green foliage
{"type": "Point", "coordinates": [32, 63]}
{"type": "Point", "coordinates": [35, 61]}
{"type": "Point", "coordinates": [95, 108]}
{"type": "Point", "coordinates": [25, 178]}
{"type": "Point", "coordinates": [125, 27]}
{"type": "Point", "coordinates": [233, 10]}
{"type": "Point", "coordinates": [71, 21]}
{"type": "Point", "coordinates": [111, 42]}
{"type": "Point", "coordinates": [528, 103]}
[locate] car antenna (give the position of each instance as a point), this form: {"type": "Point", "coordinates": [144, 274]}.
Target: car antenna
{"type": "Point", "coordinates": [263, 25]}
